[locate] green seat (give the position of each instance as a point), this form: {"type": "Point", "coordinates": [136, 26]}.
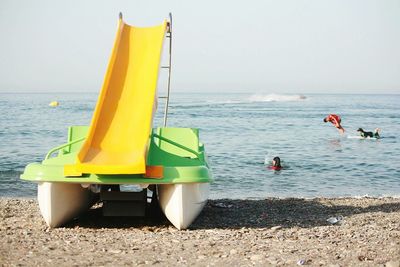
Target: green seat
{"type": "Point", "coordinates": [175, 147]}
{"type": "Point", "coordinates": [186, 137]}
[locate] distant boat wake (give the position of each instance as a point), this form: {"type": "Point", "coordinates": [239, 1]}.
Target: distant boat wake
{"type": "Point", "coordinates": [254, 98]}
{"type": "Point", "coordinates": [276, 98]}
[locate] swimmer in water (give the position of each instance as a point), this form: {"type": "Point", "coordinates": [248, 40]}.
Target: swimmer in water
{"type": "Point", "coordinates": [335, 120]}
{"type": "Point", "coordinates": [276, 164]}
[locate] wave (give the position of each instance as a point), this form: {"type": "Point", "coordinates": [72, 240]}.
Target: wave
{"type": "Point", "coordinates": [276, 98]}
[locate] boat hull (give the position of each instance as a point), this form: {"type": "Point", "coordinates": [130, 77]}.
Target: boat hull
{"type": "Point", "coordinates": [182, 203]}
{"type": "Point", "coordinates": [61, 202]}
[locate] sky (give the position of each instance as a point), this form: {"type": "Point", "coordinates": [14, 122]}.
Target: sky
{"type": "Point", "coordinates": [259, 46]}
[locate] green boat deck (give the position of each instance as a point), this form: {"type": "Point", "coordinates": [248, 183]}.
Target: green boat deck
{"type": "Point", "coordinates": [177, 150]}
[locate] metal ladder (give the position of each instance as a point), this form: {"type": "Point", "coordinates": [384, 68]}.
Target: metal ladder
{"type": "Point", "coordinates": [169, 35]}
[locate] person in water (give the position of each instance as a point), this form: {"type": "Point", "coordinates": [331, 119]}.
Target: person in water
{"type": "Point", "coordinates": [335, 120]}
{"type": "Point", "coordinates": [365, 134]}
{"type": "Point", "coordinates": [276, 164]}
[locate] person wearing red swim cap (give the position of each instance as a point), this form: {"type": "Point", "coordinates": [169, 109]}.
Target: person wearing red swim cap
{"type": "Point", "coordinates": [335, 120]}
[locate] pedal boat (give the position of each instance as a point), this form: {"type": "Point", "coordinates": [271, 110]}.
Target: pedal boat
{"type": "Point", "coordinates": [182, 190]}
{"type": "Point", "coordinates": [120, 147]}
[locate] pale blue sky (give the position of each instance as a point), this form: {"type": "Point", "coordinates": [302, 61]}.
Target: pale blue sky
{"type": "Point", "coordinates": [289, 46]}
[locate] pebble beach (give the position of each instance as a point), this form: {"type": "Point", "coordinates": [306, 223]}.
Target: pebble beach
{"type": "Point", "coordinates": [269, 232]}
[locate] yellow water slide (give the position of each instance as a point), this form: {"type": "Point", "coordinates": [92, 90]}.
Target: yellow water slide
{"type": "Point", "coordinates": [122, 121]}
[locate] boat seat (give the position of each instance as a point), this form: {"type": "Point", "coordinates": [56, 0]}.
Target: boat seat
{"type": "Point", "coordinates": [187, 137]}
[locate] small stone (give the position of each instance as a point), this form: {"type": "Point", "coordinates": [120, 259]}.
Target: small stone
{"type": "Point", "coordinates": [392, 264]}
{"type": "Point", "coordinates": [276, 227]}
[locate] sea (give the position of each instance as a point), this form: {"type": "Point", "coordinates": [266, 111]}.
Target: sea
{"type": "Point", "coordinates": [242, 132]}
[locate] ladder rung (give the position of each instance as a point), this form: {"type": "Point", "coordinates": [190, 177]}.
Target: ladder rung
{"type": "Point", "coordinates": [165, 67]}
{"type": "Point", "coordinates": [163, 97]}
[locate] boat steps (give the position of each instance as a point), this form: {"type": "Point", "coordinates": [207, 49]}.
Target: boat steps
{"type": "Point", "coordinates": [124, 204]}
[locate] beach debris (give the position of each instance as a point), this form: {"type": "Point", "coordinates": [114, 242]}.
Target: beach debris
{"type": "Point", "coordinates": [301, 262]}
{"type": "Point", "coordinates": [222, 205]}
{"type": "Point", "coordinates": [304, 261]}
{"type": "Point", "coordinates": [54, 104]}
{"type": "Point", "coordinates": [364, 258]}
{"type": "Point", "coordinates": [274, 228]}
{"type": "Point", "coordinates": [335, 220]}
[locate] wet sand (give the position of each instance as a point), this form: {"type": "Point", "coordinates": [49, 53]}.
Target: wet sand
{"type": "Point", "coordinates": [283, 232]}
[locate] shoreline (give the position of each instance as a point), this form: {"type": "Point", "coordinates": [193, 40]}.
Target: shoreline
{"type": "Point", "coordinates": [238, 232]}
{"type": "Point", "coordinates": [395, 197]}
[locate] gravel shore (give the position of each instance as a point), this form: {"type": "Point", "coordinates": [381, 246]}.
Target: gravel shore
{"type": "Point", "coordinates": [283, 232]}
